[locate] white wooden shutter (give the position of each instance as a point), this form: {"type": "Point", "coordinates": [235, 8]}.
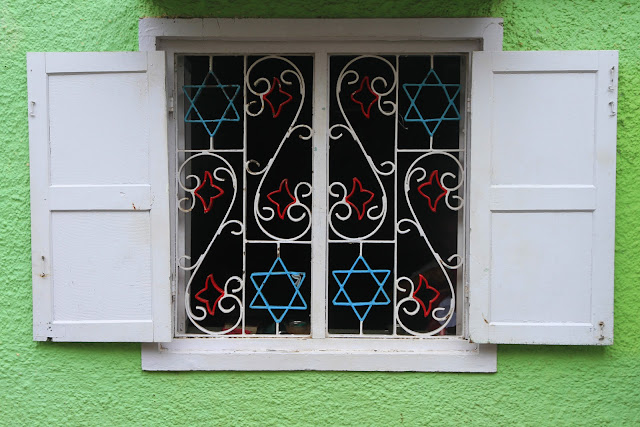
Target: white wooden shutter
{"type": "Point", "coordinates": [99, 196]}
{"type": "Point", "coordinates": [542, 197]}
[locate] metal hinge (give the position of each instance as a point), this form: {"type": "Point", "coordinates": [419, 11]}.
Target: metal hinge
{"type": "Point", "coordinates": [612, 79]}
{"type": "Point", "coordinates": [601, 337]}
{"type": "Point", "coordinates": [172, 280]}
{"type": "Point", "coordinates": [170, 103]}
{"type": "Point", "coordinates": [469, 105]}
{"type": "Point", "coordinates": [612, 88]}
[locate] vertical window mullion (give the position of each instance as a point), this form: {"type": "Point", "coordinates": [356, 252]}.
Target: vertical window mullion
{"type": "Point", "coordinates": [395, 202]}
{"type": "Point", "coordinates": [319, 234]}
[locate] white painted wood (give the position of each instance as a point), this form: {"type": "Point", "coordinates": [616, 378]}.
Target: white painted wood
{"type": "Point", "coordinates": [542, 197]}
{"type": "Point", "coordinates": [330, 354]}
{"type": "Point", "coordinates": [106, 330]}
{"type": "Point", "coordinates": [160, 218]}
{"type": "Point", "coordinates": [102, 265]}
{"type": "Point", "coordinates": [97, 62]}
{"type": "Point", "coordinates": [95, 136]}
{"type": "Point", "coordinates": [489, 30]}
{"type": "Point", "coordinates": [39, 169]}
{"type": "Point", "coordinates": [319, 233]}
{"type": "Point", "coordinates": [363, 47]}
{"type": "Point", "coordinates": [99, 198]}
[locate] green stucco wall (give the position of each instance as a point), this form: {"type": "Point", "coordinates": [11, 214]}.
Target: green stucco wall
{"type": "Point", "coordinates": [88, 384]}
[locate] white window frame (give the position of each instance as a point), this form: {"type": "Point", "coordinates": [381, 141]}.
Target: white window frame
{"type": "Point", "coordinates": [320, 37]}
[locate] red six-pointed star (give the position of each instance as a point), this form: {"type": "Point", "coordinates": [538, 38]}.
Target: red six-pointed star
{"type": "Point", "coordinates": [432, 204]}
{"type": "Point", "coordinates": [361, 211]}
{"type": "Point", "coordinates": [282, 192]}
{"type": "Point", "coordinates": [211, 308]}
{"type": "Point", "coordinates": [265, 97]}
{"type": "Point", "coordinates": [220, 191]}
{"type": "Point", "coordinates": [431, 301]}
{"type": "Point", "coordinates": [372, 96]}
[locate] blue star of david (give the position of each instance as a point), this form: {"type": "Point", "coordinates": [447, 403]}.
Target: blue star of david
{"type": "Point", "coordinates": [296, 278]}
{"type": "Point", "coordinates": [367, 270]}
{"type": "Point", "coordinates": [413, 107]}
{"type": "Point", "coordinates": [227, 112]}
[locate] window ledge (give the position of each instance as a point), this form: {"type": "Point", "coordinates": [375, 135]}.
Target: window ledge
{"type": "Point", "coordinates": [202, 354]}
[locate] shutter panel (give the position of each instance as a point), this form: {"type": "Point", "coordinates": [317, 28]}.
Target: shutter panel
{"type": "Point", "coordinates": [542, 197]}
{"type": "Point", "coordinates": [99, 196]}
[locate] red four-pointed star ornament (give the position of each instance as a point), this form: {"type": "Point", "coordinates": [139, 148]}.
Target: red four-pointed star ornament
{"type": "Point", "coordinates": [431, 301]}
{"type": "Point", "coordinates": [220, 191]}
{"type": "Point", "coordinates": [265, 97]}
{"type": "Point", "coordinates": [433, 204]}
{"type": "Point", "coordinates": [283, 190]}
{"type": "Point", "coordinates": [357, 185]}
{"type": "Point", "coordinates": [374, 97]}
{"type": "Point", "coordinates": [211, 308]}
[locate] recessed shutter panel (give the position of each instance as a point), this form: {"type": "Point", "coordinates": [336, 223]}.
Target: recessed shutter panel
{"type": "Point", "coordinates": [99, 198]}
{"type": "Point", "coordinates": [542, 197]}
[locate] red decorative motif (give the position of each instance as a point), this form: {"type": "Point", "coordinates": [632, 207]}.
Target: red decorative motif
{"type": "Point", "coordinates": [211, 308]}
{"type": "Point", "coordinates": [220, 191]}
{"type": "Point", "coordinates": [425, 310]}
{"type": "Point", "coordinates": [433, 204]}
{"type": "Point", "coordinates": [374, 97]}
{"type": "Point", "coordinates": [361, 211]}
{"type": "Point", "coordinates": [274, 111]}
{"type": "Point", "coordinates": [283, 190]}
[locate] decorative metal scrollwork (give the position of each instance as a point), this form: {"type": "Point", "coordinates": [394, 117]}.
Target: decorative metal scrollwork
{"type": "Point", "coordinates": [361, 267]}
{"type": "Point", "coordinates": [260, 193]}
{"type": "Point", "coordinates": [296, 210]}
{"type": "Point", "coordinates": [448, 184]}
{"type": "Point", "coordinates": [230, 113]}
{"type": "Point", "coordinates": [433, 181]}
{"type": "Point", "coordinates": [228, 299]}
{"type": "Point", "coordinates": [209, 187]}
{"type": "Point", "coordinates": [451, 92]}
{"type": "Point", "coordinates": [295, 278]}
{"type": "Point", "coordinates": [380, 90]}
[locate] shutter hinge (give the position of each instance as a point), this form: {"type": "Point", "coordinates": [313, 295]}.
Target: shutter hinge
{"type": "Point", "coordinates": [32, 106]}
{"type": "Point", "coordinates": [469, 105]}
{"type": "Point", "coordinates": [612, 79]}
{"type": "Point", "coordinates": [170, 103]}
{"type": "Point", "coordinates": [612, 89]}
{"type": "Point", "coordinates": [601, 337]}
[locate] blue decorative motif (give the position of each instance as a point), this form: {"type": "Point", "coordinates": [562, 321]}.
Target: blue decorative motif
{"type": "Point", "coordinates": [413, 107]}
{"type": "Point", "coordinates": [296, 278]}
{"type": "Point", "coordinates": [226, 89]}
{"type": "Point", "coordinates": [366, 270]}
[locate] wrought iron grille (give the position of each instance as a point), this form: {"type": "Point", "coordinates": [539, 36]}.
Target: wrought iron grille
{"type": "Point", "coordinates": [395, 178]}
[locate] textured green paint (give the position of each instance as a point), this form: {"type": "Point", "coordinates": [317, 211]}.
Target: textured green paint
{"type": "Point", "coordinates": [83, 384]}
